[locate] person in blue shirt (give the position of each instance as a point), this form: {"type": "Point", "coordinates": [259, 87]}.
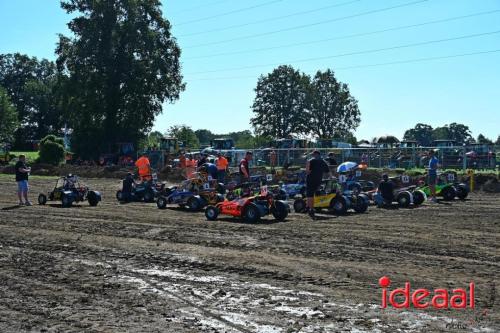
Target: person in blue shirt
{"type": "Point", "coordinates": [432, 171]}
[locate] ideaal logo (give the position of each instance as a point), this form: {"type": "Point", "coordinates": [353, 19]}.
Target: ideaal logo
{"type": "Point", "coordinates": [421, 298]}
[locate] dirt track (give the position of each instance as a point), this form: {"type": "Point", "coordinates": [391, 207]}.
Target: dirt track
{"type": "Point", "coordinates": [133, 267]}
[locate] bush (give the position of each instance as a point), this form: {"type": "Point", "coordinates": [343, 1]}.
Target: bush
{"type": "Point", "coordinates": [51, 150]}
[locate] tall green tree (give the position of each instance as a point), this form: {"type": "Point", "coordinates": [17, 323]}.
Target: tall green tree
{"type": "Point", "coordinates": [334, 111]}
{"type": "Point", "coordinates": [281, 104]}
{"type": "Point", "coordinates": [123, 64]}
{"type": "Point", "coordinates": [32, 85]}
{"type": "Point", "coordinates": [422, 133]}
{"type": "Point", "coordinates": [8, 118]}
{"type": "Point", "coordinates": [185, 134]}
{"type": "Point", "coordinates": [497, 143]}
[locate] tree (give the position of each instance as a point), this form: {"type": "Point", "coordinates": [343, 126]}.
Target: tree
{"type": "Point", "coordinates": [481, 139]}
{"type": "Point", "coordinates": [460, 133]}
{"type": "Point", "coordinates": [123, 64]}
{"type": "Point", "coordinates": [33, 87]}
{"type": "Point", "coordinates": [281, 103]}
{"type": "Point", "coordinates": [422, 133]}
{"type": "Point", "coordinates": [334, 111]}
{"type": "Point", "coordinates": [497, 143]}
{"type": "Point", "coordinates": [51, 150]}
{"type": "Point", "coordinates": [185, 134]}
{"type": "Point", "coordinates": [204, 136]}
{"type": "Point", "coordinates": [8, 117]}
{"type": "Point", "coordinates": [153, 139]}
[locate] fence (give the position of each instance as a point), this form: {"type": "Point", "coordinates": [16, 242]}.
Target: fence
{"type": "Point", "coordinates": [407, 158]}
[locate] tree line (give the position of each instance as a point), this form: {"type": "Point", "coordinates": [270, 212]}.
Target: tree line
{"type": "Point", "coordinates": [108, 84]}
{"type": "Point", "coordinates": [425, 134]}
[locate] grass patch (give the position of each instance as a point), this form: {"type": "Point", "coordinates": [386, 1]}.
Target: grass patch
{"type": "Point", "coordinates": [31, 156]}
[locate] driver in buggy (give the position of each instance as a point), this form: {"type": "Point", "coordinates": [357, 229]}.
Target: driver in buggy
{"type": "Point", "coordinates": [70, 182]}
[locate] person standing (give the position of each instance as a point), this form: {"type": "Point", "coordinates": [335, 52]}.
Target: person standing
{"type": "Point", "coordinates": [332, 162]}
{"type": "Point", "coordinates": [144, 168]}
{"type": "Point", "coordinates": [315, 168]}
{"type": "Point", "coordinates": [432, 171]}
{"type": "Point", "coordinates": [385, 192]}
{"type": "Point", "coordinates": [222, 165]}
{"type": "Point", "coordinates": [272, 159]}
{"type": "Point", "coordinates": [244, 167]}
{"type": "Point", "coordinates": [22, 174]}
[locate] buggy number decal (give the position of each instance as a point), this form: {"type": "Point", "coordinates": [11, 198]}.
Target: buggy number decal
{"type": "Point", "coordinates": [451, 177]}
{"type": "Point", "coordinates": [342, 178]}
{"type": "Point", "coordinates": [209, 178]}
{"type": "Point", "coordinates": [358, 173]}
{"type": "Point", "coordinates": [269, 177]}
{"type": "Point", "coordinates": [206, 186]}
{"type": "Point", "coordinates": [263, 191]}
{"type": "Point", "coordinates": [405, 179]}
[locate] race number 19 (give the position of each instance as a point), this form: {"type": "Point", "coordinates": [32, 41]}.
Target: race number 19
{"type": "Point", "coordinates": [405, 179]}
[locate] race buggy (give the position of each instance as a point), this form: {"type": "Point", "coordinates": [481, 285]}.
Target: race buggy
{"type": "Point", "coordinates": [404, 194]}
{"type": "Point", "coordinates": [331, 197]}
{"type": "Point", "coordinates": [195, 193]}
{"type": "Point", "coordinates": [250, 208]}
{"type": "Point", "coordinates": [146, 191]}
{"type": "Point", "coordinates": [195, 201]}
{"type": "Point", "coordinates": [69, 190]}
{"type": "Point", "coordinates": [446, 187]}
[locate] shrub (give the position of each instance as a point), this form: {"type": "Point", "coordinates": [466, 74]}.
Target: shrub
{"type": "Point", "coordinates": [51, 150]}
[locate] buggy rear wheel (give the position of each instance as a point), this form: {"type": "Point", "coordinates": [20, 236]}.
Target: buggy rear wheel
{"type": "Point", "coordinates": [448, 193]}
{"type": "Point", "coordinates": [119, 195]}
{"type": "Point", "coordinates": [462, 191]}
{"type": "Point", "coordinates": [194, 204]}
{"type": "Point", "coordinates": [361, 204]}
{"type": "Point", "coordinates": [93, 198]}
{"type": "Point", "coordinates": [280, 210]}
{"type": "Point", "coordinates": [251, 214]}
{"type": "Point", "coordinates": [404, 199]}
{"type": "Point", "coordinates": [299, 206]}
{"type": "Point", "coordinates": [211, 213]}
{"type": "Point", "coordinates": [161, 203]}
{"type": "Point", "coordinates": [418, 197]}
{"type": "Point", "coordinates": [42, 199]}
{"type": "Point", "coordinates": [149, 196]}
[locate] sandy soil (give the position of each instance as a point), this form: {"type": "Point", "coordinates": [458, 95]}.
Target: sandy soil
{"type": "Point", "coordinates": [135, 268]}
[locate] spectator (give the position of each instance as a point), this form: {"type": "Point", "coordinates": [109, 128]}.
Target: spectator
{"type": "Point", "coordinates": [22, 174]}
{"type": "Point", "coordinates": [315, 168]}
{"type": "Point", "coordinates": [332, 162]}
{"type": "Point", "coordinates": [222, 165]}
{"type": "Point", "coordinates": [432, 173]}
{"type": "Point", "coordinates": [244, 168]}
{"type": "Point", "coordinates": [385, 192]}
{"type": "Point", "coordinates": [144, 167]}
{"type": "Point", "coordinates": [273, 159]}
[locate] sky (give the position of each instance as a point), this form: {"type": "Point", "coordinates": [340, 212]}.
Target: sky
{"type": "Point", "coordinates": [401, 68]}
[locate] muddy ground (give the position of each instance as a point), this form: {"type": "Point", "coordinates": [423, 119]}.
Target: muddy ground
{"type": "Point", "coordinates": [135, 268]}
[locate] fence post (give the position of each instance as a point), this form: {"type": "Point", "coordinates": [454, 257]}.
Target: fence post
{"type": "Point", "coordinates": [379, 158]}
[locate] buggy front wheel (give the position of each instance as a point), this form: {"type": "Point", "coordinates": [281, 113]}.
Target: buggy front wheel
{"type": "Point", "coordinates": [42, 199]}
{"type": "Point", "coordinates": [211, 213]}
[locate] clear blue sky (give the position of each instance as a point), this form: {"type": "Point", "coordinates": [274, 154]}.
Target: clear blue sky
{"type": "Point", "coordinates": [392, 98]}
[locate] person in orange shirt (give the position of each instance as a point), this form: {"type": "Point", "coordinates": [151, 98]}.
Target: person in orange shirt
{"type": "Point", "coordinates": [144, 168]}
{"type": "Point", "coordinates": [222, 165]}
{"type": "Point", "coordinates": [190, 167]}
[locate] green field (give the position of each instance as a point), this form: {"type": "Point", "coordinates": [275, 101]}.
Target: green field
{"type": "Point", "coordinates": [31, 156]}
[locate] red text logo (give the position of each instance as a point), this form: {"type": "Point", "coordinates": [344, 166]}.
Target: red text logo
{"type": "Point", "coordinates": [459, 298]}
